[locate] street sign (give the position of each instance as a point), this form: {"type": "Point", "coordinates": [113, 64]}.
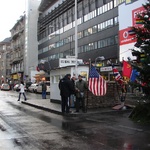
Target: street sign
{"type": "Point", "coordinates": [109, 68]}
{"type": "Point", "coordinates": [68, 62]}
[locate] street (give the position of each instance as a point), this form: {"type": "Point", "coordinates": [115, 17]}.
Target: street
{"type": "Point", "coordinates": [23, 128]}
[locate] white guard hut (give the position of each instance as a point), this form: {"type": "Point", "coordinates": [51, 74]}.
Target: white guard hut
{"type": "Point", "coordinates": [58, 73]}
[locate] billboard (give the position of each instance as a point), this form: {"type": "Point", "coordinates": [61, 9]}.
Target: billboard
{"type": "Point", "coordinates": [127, 18]}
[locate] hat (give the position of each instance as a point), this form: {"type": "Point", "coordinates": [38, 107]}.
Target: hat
{"type": "Point", "coordinates": [68, 75]}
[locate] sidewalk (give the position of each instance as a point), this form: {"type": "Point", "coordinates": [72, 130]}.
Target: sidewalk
{"type": "Point", "coordinates": [45, 104]}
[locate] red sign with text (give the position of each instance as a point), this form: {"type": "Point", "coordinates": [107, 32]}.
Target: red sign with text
{"type": "Point", "coordinates": [134, 15]}
{"type": "Point", "coordinates": [124, 36]}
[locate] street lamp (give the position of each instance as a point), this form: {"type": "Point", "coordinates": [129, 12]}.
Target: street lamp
{"type": "Point", "coordinates": [46, 64]}
{"type": "Point", "coordinates": [101, 58]}
{"type": "Point", "coordinates": [76, 38]}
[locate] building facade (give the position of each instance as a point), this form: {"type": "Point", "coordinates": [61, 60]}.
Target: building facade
{"type": "Point", "coordinates": [5, 55]}
{"type": "Point", "coordinates": [17, 53]}
{"type": "Point", "coordinates": [24, 57]}
{"type": "Point", "coordinates": [31, 42]}
{"type": "Point", "coordinates": [97, 30]}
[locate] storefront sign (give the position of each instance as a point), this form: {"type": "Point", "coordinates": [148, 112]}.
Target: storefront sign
{"type": "Point", "coordinates": [102, 69]}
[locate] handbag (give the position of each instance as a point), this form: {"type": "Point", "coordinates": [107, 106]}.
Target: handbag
{"type": "Point", "coordinates": [18, 89]}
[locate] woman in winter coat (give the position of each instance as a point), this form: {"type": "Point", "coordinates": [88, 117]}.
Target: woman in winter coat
{"type": "Point", "coordinates": [22, 91]}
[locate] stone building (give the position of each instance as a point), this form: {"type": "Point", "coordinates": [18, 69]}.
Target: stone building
{"type": "Point", "coordinates": [5, 69]}
{"type": "Point", "coordinates": [17, 53]}
{"type": "Point", "coordinates": [24, 56]}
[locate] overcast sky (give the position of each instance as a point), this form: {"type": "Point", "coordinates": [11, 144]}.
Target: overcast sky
{"type": "Point", "coordinates": [10, 12]}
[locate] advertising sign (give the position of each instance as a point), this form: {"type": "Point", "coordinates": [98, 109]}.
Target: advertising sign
{"type": "Point", "coordinates": [127, 19]}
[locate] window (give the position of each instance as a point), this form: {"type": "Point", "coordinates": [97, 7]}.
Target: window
{"type": "Point", "coordinates": [80, 35]}
{"type": "Point", "coordinates": [116, 21]}
{"type": "Point", "coordinates": [86, 18]}
{"type": "Point", "coordinates": [99, 27]}
{"type": "Point", "coordinates": [86, 48]}
{"type": "Point", "coordinates": [61, 55]}
{"type": "Point", "coordinates": [95, 45]}
{"type": "Point", "coordinates": [116, 39]}
{"type": "Point", "coordinates": [45, 49]}
{"type": "Point", "coordinates": [110, 41]}
{"type": "Point", "coordinates": [86, 32]}
{"type": "Point", "coordinates": [115, 3]}
{"type": "Point", "coordinates": [94, 29]}
{"type": "Point", "coordinates": [100, 11]}
{"type": "Point", "coordinates": [89, 31]}
{"type": "Point", "coordinates": [91, 46]}
{"type": "Point", "coordinates": [81, 49]}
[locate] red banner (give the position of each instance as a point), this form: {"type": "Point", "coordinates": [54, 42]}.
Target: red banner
{"type": "Point", "coordinates": [127, 69]}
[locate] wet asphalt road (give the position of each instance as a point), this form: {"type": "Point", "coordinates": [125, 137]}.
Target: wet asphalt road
{"type": "Point", "coordinates": [24, 128]}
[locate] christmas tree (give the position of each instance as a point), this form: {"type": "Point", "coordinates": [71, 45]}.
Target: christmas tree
{"type": "Point", "coordinates": [141, 34]}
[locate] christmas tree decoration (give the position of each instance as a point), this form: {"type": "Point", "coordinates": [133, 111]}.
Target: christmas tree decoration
{"type": "Point", "coordinates": [131, 32]}
{"type": "Point", "coordinates": [139, 21]}
{"type": "Point", "coordinates": [142, 49]}
{"type": "Point", "coordinates": [142, 57]}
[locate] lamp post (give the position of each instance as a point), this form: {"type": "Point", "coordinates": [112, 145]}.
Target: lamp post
{"type": "Point", "coordinates": [101, 58]}
{"type": "Point", "coordinates": [76, 38]}
{"type": "Point", "coordinates": [46, 65]}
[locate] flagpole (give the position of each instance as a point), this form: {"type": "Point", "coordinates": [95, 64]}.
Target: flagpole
{"type": "Point", "coordinates": [116, 82]}
{"type": "Point", "coordinates": [87, 101]}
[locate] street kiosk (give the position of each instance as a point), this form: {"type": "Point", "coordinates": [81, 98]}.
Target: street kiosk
{"type": "Point", "coordinates": [58, 73]}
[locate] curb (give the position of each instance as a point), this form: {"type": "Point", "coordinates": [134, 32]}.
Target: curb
{"type": "Point", "coordinates": [50, 110]}
{"type": "Point", "coordinates": [73, 114]}
{"type": "Point", "coordinates": [43, 108]}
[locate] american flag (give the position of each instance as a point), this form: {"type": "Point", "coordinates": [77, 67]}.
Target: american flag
{"type": "Point", "coordinates": [97, 85]}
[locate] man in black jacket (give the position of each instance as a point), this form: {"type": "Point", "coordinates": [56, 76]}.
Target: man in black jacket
{"type": "Point", "coordinates": [66, 88]}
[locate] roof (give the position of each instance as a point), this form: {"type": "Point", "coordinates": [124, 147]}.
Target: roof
{"type": "Point", "coordinates": [6, 40]}
{"type": "Point", "coordinates": [69, 66]}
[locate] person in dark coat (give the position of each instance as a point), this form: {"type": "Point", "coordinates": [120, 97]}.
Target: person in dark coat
{"type": "Point", "coordinates": [66, 88]}
{"type": "Point", "coordinates": [44, 88]}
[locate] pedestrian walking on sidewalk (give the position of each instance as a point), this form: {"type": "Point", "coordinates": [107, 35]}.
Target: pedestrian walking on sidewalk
{"type": "Point", "coordinates": [22, 91]}
{"type": "Point", "coordinates": [81, 87]}
{"type": "Point", "coordinates": [44, 89]}
{"type": "Point", "coordinates": [66, 87]}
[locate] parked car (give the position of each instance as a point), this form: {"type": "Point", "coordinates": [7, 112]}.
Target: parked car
{"type": "Point", "coordinates": [38, 88]}
{"type": "Point", "coordinates": [32, 87]}
{"type": "Point", "coordinates": [5, 86]}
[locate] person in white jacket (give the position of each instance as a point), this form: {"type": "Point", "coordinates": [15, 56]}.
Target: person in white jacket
{"type": "Point", "coordinates": [22, 91]}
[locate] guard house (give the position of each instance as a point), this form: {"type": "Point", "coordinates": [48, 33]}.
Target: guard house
{"type": "Point", "coordinates": [58, 73]}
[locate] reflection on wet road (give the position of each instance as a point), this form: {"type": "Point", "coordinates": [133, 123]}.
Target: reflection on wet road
{"type": "Point", "coordinates": [30, 128]}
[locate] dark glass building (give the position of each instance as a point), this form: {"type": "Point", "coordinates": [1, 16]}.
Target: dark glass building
{"type": "Point", "coordinates": [98, 28]}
